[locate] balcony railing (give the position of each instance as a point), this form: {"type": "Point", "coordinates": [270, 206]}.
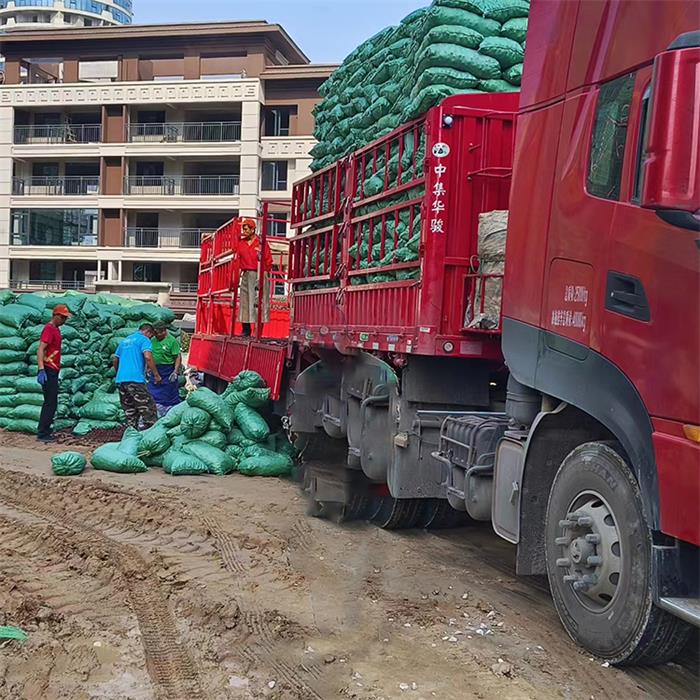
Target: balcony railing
{"type": "Point", "coordinates": [51, 285]}
{"type": "Point", "coordinates": [187, 186]}
{"type": "Point", "coordinates": [179, 132]}
{"type": "Point", "coordinates": [48, 185]}
{"type": "Point", "coordinates": [184, 287]}
{"type": "Point", "coordinates": [165, 237]}
{"type": "Point", "coordinates": [58, 133]}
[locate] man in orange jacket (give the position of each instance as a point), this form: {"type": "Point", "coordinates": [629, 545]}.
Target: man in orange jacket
{"type": "Point", "coordinates": [250, 250]}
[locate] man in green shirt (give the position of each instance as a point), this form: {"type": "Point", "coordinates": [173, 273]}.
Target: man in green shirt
{"type": "Point", "coordinates": [168, 360]}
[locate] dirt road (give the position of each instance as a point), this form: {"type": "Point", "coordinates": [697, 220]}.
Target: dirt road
{"type": "Point", "coordinates": [150, 586]}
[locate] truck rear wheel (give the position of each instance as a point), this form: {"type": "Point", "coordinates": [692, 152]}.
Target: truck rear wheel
{"type": "Point", "coordinates": [391, 513]}
{"type": "Point", "coordinates": [438, 514]}
{"type": "Point", "coordinates": [598, 554]}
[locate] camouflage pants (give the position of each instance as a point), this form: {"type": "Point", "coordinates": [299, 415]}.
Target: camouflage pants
{"type": "Point", "coordinates": [138, 405]}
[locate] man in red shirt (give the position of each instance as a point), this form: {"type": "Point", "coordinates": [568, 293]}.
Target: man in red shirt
{"type": "Point", "coordinates": [48, 357]}
{"type": "Point", "coordinates": [249, 252]}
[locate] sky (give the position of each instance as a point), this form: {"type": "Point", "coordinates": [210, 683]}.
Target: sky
{"type": "Point", "coordinates": [326, 30]}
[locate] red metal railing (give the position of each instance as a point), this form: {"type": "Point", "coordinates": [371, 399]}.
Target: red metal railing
{"type": "Point", "coordinates": [206, 252]}
{"type": "Point", "coordinates": [385, 241]}
{"type": "Point", "coordinates": [226, 237]}
{"type": "Point", "coordinates": [404, 231]}
{"type": "Point", "coordinates": [218, 304]}
{"type": "Point", "coordinates": [318, 197]}
{"type": "Point", "coordinates": [483, 302]}
{"type": "Point", "coordinates": [390, 165]}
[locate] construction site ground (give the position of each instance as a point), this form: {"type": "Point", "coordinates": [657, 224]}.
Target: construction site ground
{"type": "Point", "coordinates": [151, 586]}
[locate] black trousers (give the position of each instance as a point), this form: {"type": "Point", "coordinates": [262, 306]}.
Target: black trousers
{"type": "Point", "coordinates": [48, 410]}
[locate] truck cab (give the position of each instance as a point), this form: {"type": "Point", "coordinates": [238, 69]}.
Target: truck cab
{"type": "Point", "coordinates": [600, 322]}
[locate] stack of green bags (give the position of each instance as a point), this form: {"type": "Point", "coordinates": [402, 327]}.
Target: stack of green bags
{"type": "Point", "coordinates": [88, 398]}
{"type": "Point", "coordinates": [450, 47]}
{"type": "Point", "coordinates": [207, 434]}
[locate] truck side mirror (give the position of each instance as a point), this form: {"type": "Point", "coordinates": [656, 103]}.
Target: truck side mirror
{"type": "Point", "coordinates": [671, 168]}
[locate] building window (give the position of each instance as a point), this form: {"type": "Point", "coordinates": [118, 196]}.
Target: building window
{"type": "Point", "coordinates": [146, 272]}
{"type": "Point", "coordinates": [277, 120]}
{"type": "Point", "coordinates": [45, 170]}
{"type": "Point", "coordinates": [277, 228]}
{"type": "Point", "coordinates": [149, 169]}
{"type": "Point", "coordinates": [274, 175]}
{"type": "Point", "coordinates": [223, 76]}
{"type": "Point", "coordinates": [54, 227]}
{"type": "Point", "coordinates": [609, 137]}
{"type": "Point", "coordinates": [98, 71]}
{"type": "Point", "coordinates": [85, 6]}
{"type": "Point", "coordinates": [120, 16]}
{"type": "Point", "coordinates": [43, 271]}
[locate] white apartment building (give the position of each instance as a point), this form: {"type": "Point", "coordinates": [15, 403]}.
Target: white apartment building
{"type": "Point", "coordinates": [120, 147]}
{"type": "Point", "coordinates": [38, 14]}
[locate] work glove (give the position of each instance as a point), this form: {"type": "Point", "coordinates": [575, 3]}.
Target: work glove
{"type": "Point", "coordinates": [173, 377]}
{"type": "Point", "coordinates": [41, 377]}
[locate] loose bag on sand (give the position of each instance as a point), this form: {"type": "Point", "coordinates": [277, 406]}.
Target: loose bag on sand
{"type": "Point", "coordinates": [68, 463]}
{"type": "Point", "coordinates": [217, 461]}
{"type": "Point", "coordinates": [180, 463]}
{"type": "Point", "coordinates": [111, 459]}
{"type": "Point", "coordinates": [270, 464]}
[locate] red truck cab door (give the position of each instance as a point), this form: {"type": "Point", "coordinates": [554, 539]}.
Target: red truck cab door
{"type": "Point", "coordinates": [650, 325]}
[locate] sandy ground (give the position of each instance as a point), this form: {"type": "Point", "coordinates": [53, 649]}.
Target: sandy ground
{"type": "Point", "coordinates": [150, 586]}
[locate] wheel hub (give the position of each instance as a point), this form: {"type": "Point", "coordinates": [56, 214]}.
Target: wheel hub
{"type": "Point", "coordinates": [590, 556]}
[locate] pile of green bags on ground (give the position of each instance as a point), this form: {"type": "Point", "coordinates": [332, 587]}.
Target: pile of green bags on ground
{"type": "Point", "coordinates": [207, 434]}
{"type": "Point", "coordinates": [87, 399]}
{"type": "Point", "coordinates": [449, 47]}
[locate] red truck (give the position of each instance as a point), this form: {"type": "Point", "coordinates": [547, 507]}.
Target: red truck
{"type": "Point", "coordinates": [570, 420]}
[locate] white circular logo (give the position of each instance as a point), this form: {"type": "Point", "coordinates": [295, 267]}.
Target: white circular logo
{"type": "Point", "coordinates": [441, 150]}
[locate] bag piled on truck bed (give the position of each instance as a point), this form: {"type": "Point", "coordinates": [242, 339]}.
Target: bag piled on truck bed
{"type": "Point", "coordinates": [449, 47]}
{"type": "Point", "coordinates": [88, 398]}
{"type": "Point", "coordinates": [493, 229]}
{"type": "Point", "coordinates": [207, 434]}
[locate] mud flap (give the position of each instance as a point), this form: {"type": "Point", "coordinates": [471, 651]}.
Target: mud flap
{"type": "Point", "coordinates": [308, 396]}
{"type": "Point", "coordinates": [369, 386]}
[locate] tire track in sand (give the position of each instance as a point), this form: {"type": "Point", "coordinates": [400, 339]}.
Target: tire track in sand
{"type": "Point", "coordinates": [172, 671]}
{"type": "Point", "coordinates": [263, 648]}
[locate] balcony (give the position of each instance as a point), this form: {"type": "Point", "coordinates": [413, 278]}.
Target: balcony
{"type": "Point", "coordinates": [185, 132]}
{"type": "Point", "coordinates": [51, 186]}
{"type": "Point", "coordinates": [58, 133]}
{"type": "Point", "coordinates": [186, 186]}
{"type": "Point", "coordinates": [164, 237]}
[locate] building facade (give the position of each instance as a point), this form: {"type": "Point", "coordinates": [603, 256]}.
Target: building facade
{"type": "Point", "coordinates": [121, 147]}
{"type": "Point", "coordinates": [39, 14]}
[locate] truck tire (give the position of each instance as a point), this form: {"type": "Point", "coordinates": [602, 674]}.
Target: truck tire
{"type": "Point", "coordinates": [438, 514]}
{"type": "Point", "coordinates": [391, 513]}
{"type": "Point", "coordinates": [598, 555]}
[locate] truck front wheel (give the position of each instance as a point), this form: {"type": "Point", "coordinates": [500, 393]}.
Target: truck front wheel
{"type": "Point", "coordinates": [598, 553]}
